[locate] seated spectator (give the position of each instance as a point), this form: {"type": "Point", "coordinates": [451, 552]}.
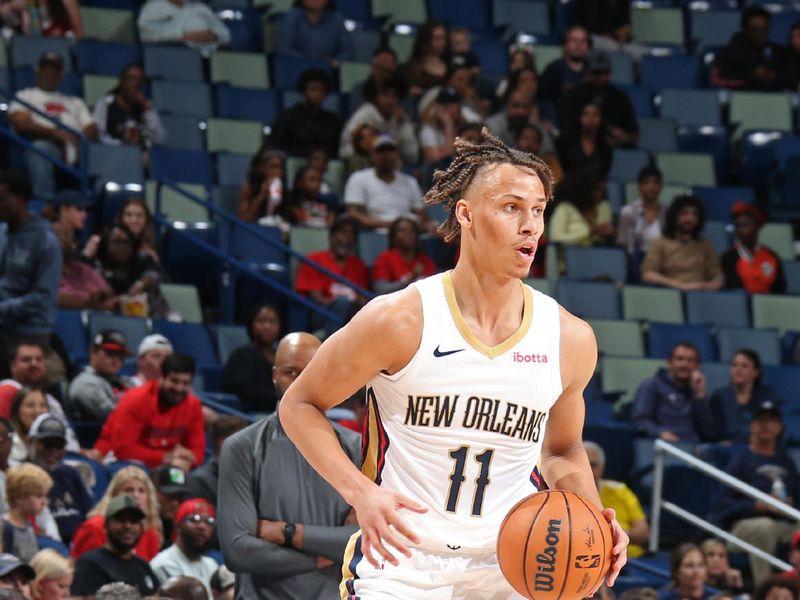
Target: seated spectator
{"type": "Point", "coordinates": [672, 405]}
{"type": "Point", "coordinates": [529, 139]}
{"type": "Point", "coordinates": [719, 573]}
{"type": "Point", "coordinates": [319, 159]}
{"type": "Point", "coordinates": [262, 191]}
{"type": "Point", "coordinates": [248, 370]}
{"type": "Point", "coordinates": [341, 258]}
{"type": "Point", "coordinates": [615, 106]}
{"type": "Point", "coordinates": [460, 44]}
{"type": "Point", "coordinates": [520, 57]}
{"type": "Point", "coordinates": [16, 575]}
{"type": "Point", "coordinates": [520, 107]}
{"type": "Point", "coordinates": [750, 61]}
{"type": "Point", "coordinates": [223, 584]}
{"type": "Point", "coordinates": [133, 275]}
{"type": "Point", "coordinates": [459, 77]}
{"type": "Point", "coordinates": [680, 258]}
{"type": "Point", "coordinates": [30, 268]}
{"type": "Point", "coordinates": [135, 215]}
{"type": "Point", "coordinates": [70, 111]}
{"type": "Point", "coordinates": [27, 487]}
{"type": "Point", "coordinates": [405, 260]}
{"type": "Point", "coordinates": [382, 67]}
{"type": "Point", "coordinates": [313, 29]}
{"type": "Point", "coordinates": [54, 574]}
{"type": "Point", "coordinates": [304, 205]}
{"type": "Point", "coordinates": [176, 21]}
{"type": "Point", "coordinates": [383, 112]}
{"type": "Point", "coordinates": [6, 436]}
{"type": "Point", "coordinates": [67, 213]}
{"type": "Point", "coordinates": [308, 123]}
{"type": "Point", "coordinates": [27, 404]}
{"type": "Point", "coordinates": [376, 197]}
{"type": "Point", "coordinates": [582, 216]}
{"type": "Point", "coordinates": [440, 124]}
{"type": "Point", "coordinates": [640, 221]}
{"type": "Point", "coordinates": [732, 406]}
{"type": "Point", "coordinates": [776, 588]}
{"type": "Point", "coordinates": [587, 150]}
{"type": "Point", "coordinates": [202, 481]}
{"type": "Point", "coordinates": [567, 72]}
{"type": "Point", "coordinates": [95, 392]}
{"type": "Point", "coordinates": [195, 521]}
{"type": "Point", "coordinates": [766, 466]}
{"type": "Point", "coordinates": [617, 495]}
{"type": "Point", "coordinates": [126, 116]}
{"type": "Point", "coordinates": [115, 561]}
{"type": "Point", "coordinates": [128, 481]}
{"type": "Point", "coordinates": [687, 569]}
{"type": "Point", "coordinates": [363, 139]}
{"type": "Point", "coordinates": [161, 422]}
{"type": "Point", "coordinates": [747, 264]}
{"type": "Point", "coordinates": [427, 65]}
{"type": "Point", "coordinates": [69, 499]}
{"type": "Point", "coordinates": [152, 351]}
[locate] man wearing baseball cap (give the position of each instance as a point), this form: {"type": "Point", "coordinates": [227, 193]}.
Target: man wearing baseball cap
{"type": "Point", "coordinates": [15, 574]}
{"type": "Point", "coordinates": [115, 561]}
{"type": "Point", "coordinates": [195, 521]}
{"type": "Point", "coordinates": [152, 351]}
{"type": "Point", "coordinates": [95, 392]}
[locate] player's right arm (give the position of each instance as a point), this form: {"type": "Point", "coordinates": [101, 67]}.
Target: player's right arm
{"type": "Point", "coordinates": [382, 337]}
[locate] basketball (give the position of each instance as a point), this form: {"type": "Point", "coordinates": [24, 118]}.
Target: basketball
{"type": "Point", "coordinates": [554, 544]}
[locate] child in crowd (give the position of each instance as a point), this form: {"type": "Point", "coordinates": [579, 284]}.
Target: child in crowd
{"type": "Point", "coordinates": [27, 487]}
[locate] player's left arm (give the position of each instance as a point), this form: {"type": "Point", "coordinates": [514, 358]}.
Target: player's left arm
{"type": "Point", "coordinates": [564, 461]}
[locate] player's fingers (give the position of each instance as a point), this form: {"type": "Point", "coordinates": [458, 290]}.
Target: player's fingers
{"type": "Point", "coordinates": [616, 567]}
{"type": "Point", "coordinates": [382, 551]}
{"type": "Point", "coordinates": [395, 542]}
{"type": "Point", "coordinates": [366, 549]}
{"type": "Point", "coordinates": [405, 502]}
{"type": "Point", "coordinates": [403, 529]}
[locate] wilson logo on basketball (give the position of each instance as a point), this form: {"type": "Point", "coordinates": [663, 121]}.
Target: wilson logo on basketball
{"type": "Point", "coordinates": [519, 357]}
{"type": "Point", "coordinates": [546, 560]}
{"type": "Point", "coordinates": [587, 561]}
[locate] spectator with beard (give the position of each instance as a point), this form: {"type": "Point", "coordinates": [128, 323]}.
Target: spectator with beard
{"type": "Point", "coordinates": [97, 390]}
{"type": "Point", "coordinates": [567, 72]}
{"type": "Point", "coordinates": [195, 522]}
{"type": "Point", "coordinates": [152, 351]}
{"type": "Point", "coordinates": [69, 501]}
{"type": "Point", "coordinates": [115, 561]}
{"type": "Point", "coordinates": [279, 547]}
{"type": "Point", "coordinates": [519, 111]}
{"type": "Point", "coordinates": [202, 482]}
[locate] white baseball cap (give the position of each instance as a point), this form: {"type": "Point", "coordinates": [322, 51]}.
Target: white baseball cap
{"type": "Point", "coordinates": [155, 341]}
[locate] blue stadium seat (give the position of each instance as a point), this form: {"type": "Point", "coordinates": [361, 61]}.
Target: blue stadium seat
{"type": "Point", "coordinates": [617, 442]}
{"type": "Point", "coordinates": [717, 234]}
{"type": "Point", "coordinates": [594, 263]}
{"type": "Point", "coordinates": [691, 107]}
{"type": "Point", "coordinates": [254, 250]}
{"type": "Point", "coordinates": [522, 15]}
{"type": "Point", "coordinates": [622, 68]}
{"type": "Point", "coordinates": [134, 329]}
{"type": "Point", "coordinates": [357, 10]}
{"type": "Point", "coordinates": [72, 331]}
{"type": "Point", "coordinates": [781, 24]}
{"type": "Point", "coordinates": [791, 268]}
{"type": "Point", "coordinates": [662, 337]}
{"type": "Point", "coordinates": [365, 42]}
{"type": "Point", "coordinates": [723, 309]}
{"type": "Point", "coordinates": [590, 300]}
{"type": "Point", "coordinates": [472, 14]}
{"type": "Point", "coordinates": [657, 135]}
{"type": "Point", "coordinates": [229, 338]}
{"type": "Point", "coordinates": [676, 71]}
{"type": "Point", "coordinates": [332, 102]}
{"type": "Point", "coordinates": [173, 62]}
{"type": "Point", "coordinates": [247, 103]}
{"type": "Point", "coordinates": [188, 98]}
{"type": "Point", "coordinates": [492, 54]}
{"type": "Point", "coordinates": [719, 200]}
{"type": "Point", "coordinates": [787, 199]}
{"type": "Point", "coordinates": [105, 58]}
{"type": "Point", "coordinates": [25, 50]}
{"type": "Point", "coordinates": [626, 164]}
{"type": "Point", "coordinates": [183, 132]}
{"type": "Point", "coordinates": [707, 140]}
{"type": "Point", "coordinates": [763, 341]}
{"type": "Point", "coordinates": [758, 155]}
{"type": "Point", "coordinates": [118, 164]}
{"type": "Point", "coordinates": [232, 168]}
{"type": "Point", "coordinates": [641, 98]}
{"type": "Point", "coordinates": [245, 27]}
{"type": "Point", "coordinates": [713, 28]}
{"type": "Point", "coordinates": [370, 245]}
{"type": "Point", "coordinates": [784, 380]}
{"type": "Point", "coordinates": [286, 70]}
{"type": "Point", "coordinates": [190, 338]}
{"type": "Point", "coordinates": [181, 166]}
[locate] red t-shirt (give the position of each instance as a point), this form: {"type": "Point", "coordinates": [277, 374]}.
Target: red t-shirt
{"type": "Point", "coordinates": [7, 393]}
{"type": "Point", "coordinates": [391, 266]}
{"type": "Point", "coordinates": [309, 279]}
{"type": "Point", "coordinates": [758, 275]}
{"type": "Point", "coordinates": [92, 534]}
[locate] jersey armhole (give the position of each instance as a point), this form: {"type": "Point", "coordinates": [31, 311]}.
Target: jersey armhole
{"type": "Point", "coordinates": [397, 375]}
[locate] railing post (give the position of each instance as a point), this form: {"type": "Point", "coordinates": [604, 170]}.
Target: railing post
{"type": "Point", "coordinates": [655, 505]}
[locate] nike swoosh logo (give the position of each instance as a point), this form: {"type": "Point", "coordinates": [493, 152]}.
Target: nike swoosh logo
{"type": "Point", "coordinates": [438, 353]}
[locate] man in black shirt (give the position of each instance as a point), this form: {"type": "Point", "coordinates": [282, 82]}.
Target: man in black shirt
{"type": "Point", "coordinates": [115, 561]}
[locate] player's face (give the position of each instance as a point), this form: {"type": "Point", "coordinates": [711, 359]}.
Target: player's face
{"type": "Point", "coordinates": [692, 572]}
{"type": "Point", "coordinates": [503, 216]}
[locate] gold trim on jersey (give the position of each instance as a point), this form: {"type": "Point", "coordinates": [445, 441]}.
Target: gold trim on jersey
{"type": "Point", "coordinates": [369, 464]}
{"type": "Point", "coordinates": [471, 338]}
{"type": "Point", "coordinates": [347, 574]}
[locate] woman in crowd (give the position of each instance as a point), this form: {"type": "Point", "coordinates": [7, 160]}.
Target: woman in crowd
{"type": "Point", "coordinates": [719, 573]}
{"type": "Point", "coordinates": [441, 121]}
{"type": "Point", "coordinates": [133, 482]}
{"type": "Point", "coordinates": [27, 404]}
{"type": "Point", "coordinates": [82, 287]}
{"type": "Point", "coordinates": [589, 149]}
{"type": "Point", "coordinates": [427, 66]}
{"type": "Point", "coordinates": [248, 370]}
{"type": "Point", "coordinates": [68, 215]}
{"type": "Point", "coordinates": [520, 57]}
{"type": "Point", "coordinates": [135, 215]}
{"type": "Point", "coordinates": [53, 575]}
{"type": "Point", "coordinates": [362, 139]}
{"type": "Point", "coordinates": [734, 404]}
{"type": "Point", "coordinates": [640, 221]}
{"type": "Point", "coordinates": [404, 261]}
{"type": "Point", "coordinates": [687, 568]}
{"type": "Point", "coordinates": [304, 205]}
{"type": "Point", "coordinates": [582, 215]}
{"type": "Point", "coordinates": [262, 191]}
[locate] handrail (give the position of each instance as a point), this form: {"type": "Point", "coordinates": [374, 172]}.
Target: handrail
{"type": "Point", "coordinates": [661, 448]}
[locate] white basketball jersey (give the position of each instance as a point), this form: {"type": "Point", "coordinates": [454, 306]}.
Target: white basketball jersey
{"type": "Point", "coordinates": [460, 428]}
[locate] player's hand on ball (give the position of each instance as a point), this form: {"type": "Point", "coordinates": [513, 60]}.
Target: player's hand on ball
{"type": "Point", "coordinates": [382, 527]}
{"type": "Point", "coordinates": [619, 552]}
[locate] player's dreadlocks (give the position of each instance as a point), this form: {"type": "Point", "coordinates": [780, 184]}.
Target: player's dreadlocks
{"type": "Point", "coordinates": [449, 185]}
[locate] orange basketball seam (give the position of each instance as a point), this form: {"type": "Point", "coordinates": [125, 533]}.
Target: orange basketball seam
{"type": "Point", "coordinates": [602, 533]}
{"type": "Point", "coordinates": [527, 541]}
{"type": "Point", "coordinates": [569, 544]}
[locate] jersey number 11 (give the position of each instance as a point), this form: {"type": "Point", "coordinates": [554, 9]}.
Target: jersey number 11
{"type": "Point", "coordinates": [484, 459]}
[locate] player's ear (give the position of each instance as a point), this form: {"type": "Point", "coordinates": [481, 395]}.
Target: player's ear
{"type": "Point", "coordinates": [463, 213]}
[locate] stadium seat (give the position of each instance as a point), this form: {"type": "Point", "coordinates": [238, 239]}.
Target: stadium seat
{"type": "Point", "coordinates": [286, 70]}
{"type": "Point", "coordinates": [117, 164]}
{"type": "Point", "coordinates": [617, 441]}
{"type": "Point", "coordinates": [256, 249]}
{"type": "Point", "coordinates": [757, 155]}
{"type": "Point", "coordinates": [668, 192]}
{"type": "Point", "coordinates": [676, 71]}
{"type": "Point", "coordinates": [623, 375]}
{"type": "Point", "coordinates": [763, 341]}
{"type": "Point", "coordinates": [626, 164]}
{"type": "Point", "coordinates": [716, 233]}
{"type": "Point", "coordinates": [183, 299]}
{"type": "Point", "coordinates": [402, 44]}
{"type": "Point", "coordinates": [718, 201]}
{"type": "Point", "coordinates": [713, 141]}
{"type": "Point", "coordinates": [713, 28]}
{"type": "Point", "coordinates": [779, 237]}
{"type": "Point", "coordinates": [183, 133]}
{"type": "Point", "coordinates": [370, 245]}
{"type": "Point", "coordinates": [791, 269]}
{"type": "Point", "coordinates": [185, 166]}
{"type": "Point", "coordinates": [779, 312]}
{"type": "Point", "coordinates": [645, 303]}
{"type": "Point", "coordinates": [173, 62]}
{"type": "Point", "coordinates": [226, 197]}
{"type": "Point", "coordinates": [784, 380]}
{"type": "Point", "coordinates": [176, 206]}
{"type": "Point", "coordinates": [662, 337]}
{"type": "Point", "coordinates": [472, 14]}
{"type": "Point", "coordinates": [691, 107]}
{"type": "Point", "coordinates": [685, 168]}
{"type": "Point", "coordinates": [228, 135]}
{"type": "Point", "coordinates": [133, 328]}
{"type": "Point", "coordinates": [97, 86]}
{"type": "Point", "coordinates": [590, 300]}
{"type": "Point", "coordinates": [641, 98]}
{"type": "Point", "coordinates": [618, 338]}
{"type": "Point", "coordinates": [521, 15]}
{"type": "Point", "coordinates": [187, 98]}
{"type": "Point", "coordinates": [72, 332]}
{"type": "Point", "coordinates": [240, 69]}
{"type": "Point", "coordinates": [723, 309]}
{"type": "Point", "coordinates": [542, 285]}
{"type": "Point", "coordinates": [760, 110]}
{"type": "Point", "coordinates": [787, 185]}
{"type": "Point", "coordinates": [717, 374]}
{"type": "Point", "coordinates": [306, 240]}
{"type": "Point", "coordinates": [229, 338]}
{"type": "Point", "coordinates": [105, 58]}
{"type": "Point", "coordinates": [781, 24]}
{"type": "Point", "coordinates": [622, 68]}
{"type": "Point", "coordinates": [247, 103]}
{"type": "Point", "coordinates": [546, 54]}
{"type": "Point", "coordinates": [25, 50]}
{"type": "Point", "coordinates": [492, 54]}
{"type": "Point", "coordinates": [25, 77]}
{"type": "Point", "coordinates": [657, 135]}
{"type": "Point", "coordinates": [411, 11]}
{"type": "Point", "coordinates": [189, 338]}
{"type": "Point", "coordinates": [232, 168]}
{"type": "Point", "coordinates": [593, 263]}
{"type": "Point", "coordinates": [365, 42]}
{"type": "Point", "coordinates": [332, 101]}
{"type": "Point", "coordinates": [108, 24]}
{"type": "Point", "coordinates": [352, 74]}
{"type": "Point", "coordinates": [657, 26]}
{"type": "Point", "coordinates": [245, 27]}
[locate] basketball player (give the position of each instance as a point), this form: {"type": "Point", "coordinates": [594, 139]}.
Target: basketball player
{"type": "Point", "coordinates": [473, 379]}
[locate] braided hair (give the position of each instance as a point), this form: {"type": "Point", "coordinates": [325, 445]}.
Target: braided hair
{"type": "Point", "coordinates": [449, 185]}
